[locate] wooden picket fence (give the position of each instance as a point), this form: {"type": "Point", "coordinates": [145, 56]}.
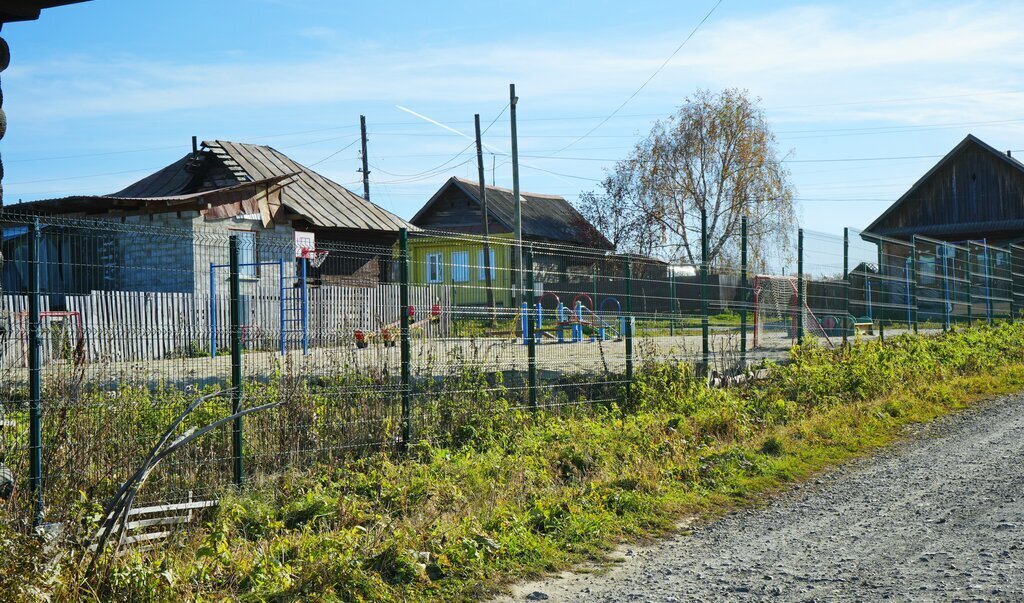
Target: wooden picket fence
{"type": "Point", "coordinates": [122, 326]}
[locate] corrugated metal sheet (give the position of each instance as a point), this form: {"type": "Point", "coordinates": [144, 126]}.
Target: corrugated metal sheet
{"type": "Point", "coordinates": [323, 202]}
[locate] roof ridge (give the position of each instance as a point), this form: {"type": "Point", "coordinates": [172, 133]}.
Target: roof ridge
{"type": "Point", "coordinates": [522, 193]}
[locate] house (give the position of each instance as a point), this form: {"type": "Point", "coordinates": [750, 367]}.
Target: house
{"type": "Point", "coordinates": [960, 217]}
{"type": "Point", "coordinates": [548, 221]}
{"type": "Point", "coordinates": [256, 192]}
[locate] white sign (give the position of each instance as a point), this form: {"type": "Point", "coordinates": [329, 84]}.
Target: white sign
{"type": "Point", "coordinates": [304, 242]}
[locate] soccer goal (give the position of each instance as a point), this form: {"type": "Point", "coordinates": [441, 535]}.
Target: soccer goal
{"type": "Point", "coordinates": [775, 312]}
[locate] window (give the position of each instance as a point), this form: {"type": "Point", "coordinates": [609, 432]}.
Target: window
{"type": "Point", "coordinates": [435, 272]}
{"type": "Point", "coordinates": [481, 274]}
{"type": "Point", "coordinates": [926, 269]}
{"type": "Point", "coordinates": [247, 254]}
{"type": "Point", "coordinates": [460, 266]}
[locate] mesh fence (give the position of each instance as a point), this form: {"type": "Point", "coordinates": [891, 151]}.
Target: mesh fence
{"type": "Point", "coordinates": [111, 329]}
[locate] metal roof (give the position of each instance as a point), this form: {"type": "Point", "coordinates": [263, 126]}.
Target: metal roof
{"type": "Point", "coordinates": [548, 217]}
{"type": "Point", "coordinates": [323, 202]}
{"type": "Point", "coordinates": [28, 10]}
{"type": "Point", "coordinates": [92, 203]}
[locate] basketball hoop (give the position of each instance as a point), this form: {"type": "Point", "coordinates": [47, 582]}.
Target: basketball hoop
{"type": "Point", "coordinates": [315, 257]}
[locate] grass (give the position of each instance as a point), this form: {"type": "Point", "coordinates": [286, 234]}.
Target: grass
{"type": "Point", "coordinates": [529, 494]}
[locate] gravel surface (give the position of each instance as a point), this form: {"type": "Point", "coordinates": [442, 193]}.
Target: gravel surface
{"type": "Point", "coordinates": [939, 517]}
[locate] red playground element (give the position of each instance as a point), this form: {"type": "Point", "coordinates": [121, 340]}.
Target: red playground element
{"type": "Point", "coordinates": [390, 333]}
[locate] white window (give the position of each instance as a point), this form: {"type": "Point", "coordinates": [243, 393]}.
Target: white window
{"type": "Point", "coordinates": [247, 256]}
{"type": "Point", "coordinates": [460, 266]}
{"type": "Point", "coordinates": [435, 271]}
{"type": "Point", "coordinates": [481, 273]}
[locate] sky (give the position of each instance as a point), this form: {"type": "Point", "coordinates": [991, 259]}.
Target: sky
{"type": "Point", "coordinates": [864, 97]}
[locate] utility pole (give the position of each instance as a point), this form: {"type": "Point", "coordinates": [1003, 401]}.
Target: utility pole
{"type": "Point", "coordinates": [517, 259]}
{"type": "Point", "coordinates": [366, 167]}
{"type": "Point", "coordinates": [483, 213]}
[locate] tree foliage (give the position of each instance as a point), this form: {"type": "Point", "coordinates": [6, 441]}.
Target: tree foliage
{"type": "Point", "coordinates": [716, 153]}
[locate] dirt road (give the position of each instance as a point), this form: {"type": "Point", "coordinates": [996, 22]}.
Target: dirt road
{"type": "Point", "coordinates": [937, 518]}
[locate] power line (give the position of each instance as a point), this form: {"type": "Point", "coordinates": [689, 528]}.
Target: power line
{"type": "Point", "coordinates": [334, 153]}
{"type": "Point", "coordinates": [647, 81]}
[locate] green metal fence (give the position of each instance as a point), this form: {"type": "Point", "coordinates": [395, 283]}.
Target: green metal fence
{"type": "Point", "coordinates": [111, 329]}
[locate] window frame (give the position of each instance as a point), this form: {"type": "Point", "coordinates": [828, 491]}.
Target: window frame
{"type": "Point", "coordinates": [460, 268]}
{"type": "Point", "coordinates": [252, 271]}
{"type": "Point", "coordinates": [481, 272]}
{"type": "Point", "coordinates": [438, 258]}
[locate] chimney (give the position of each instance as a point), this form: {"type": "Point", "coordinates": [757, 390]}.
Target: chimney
{"type": "Point", "coordinates": [1009, 153]}
{"type": "Point", "coordinates": [195, 145]}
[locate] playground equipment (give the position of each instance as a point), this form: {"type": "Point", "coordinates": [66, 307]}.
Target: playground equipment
{"type": "Point", "coordinates": [572, 319]}
{"type": "Point", "coordinates": [391, 332]}
{"type": "Point", "coordinates": [292, 293]}
{"type": "Point", "coordinates": [776, 307]}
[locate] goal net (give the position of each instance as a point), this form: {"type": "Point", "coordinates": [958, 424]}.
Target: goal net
{"type": "Point", "coordinates": [776, 313]}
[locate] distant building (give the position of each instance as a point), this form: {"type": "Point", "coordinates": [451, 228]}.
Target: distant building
{"type": "Point", "coordinates": [253, 191]}
{"type": "Point", "coordinates": [962, 214]}
{"type": "Point", "coordinates": [547, 220]}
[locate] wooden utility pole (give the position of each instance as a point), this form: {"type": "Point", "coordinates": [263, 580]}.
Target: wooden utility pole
{"type": "Point", "coordinates": [517, 218]}
{"type": "Point", "coordinates": [483, 213]}
{"type": "Point", "coordinates": [366, 167]}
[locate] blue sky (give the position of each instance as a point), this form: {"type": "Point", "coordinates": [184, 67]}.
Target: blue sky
{"type": "Point", "coordinates": [864, 96]}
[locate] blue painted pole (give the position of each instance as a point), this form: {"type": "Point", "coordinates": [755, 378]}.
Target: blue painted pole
{"type": "Point", "coordinates": [305, 311]}
{"type": "Point", "coordinates": [524, 321]}
{"type": "Point", "coordinates": [540, 322]}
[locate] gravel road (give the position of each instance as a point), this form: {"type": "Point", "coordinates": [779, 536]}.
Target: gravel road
{"type": "Point", "coordinates": [938, 517]}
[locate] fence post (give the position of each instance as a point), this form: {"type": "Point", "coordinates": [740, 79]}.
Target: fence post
{"type": "Point", "coordinates": [704, 341]}
{"type": "Point", "coordinates": [743, 292]}
{"type": "Point", "coordinates": [800, 286]}
{"type": "Point", "coordinates": [970, 289]}
{"type": "Point", "coordinates": [913, 281]}
{"type": "Point", "coordinates": [671, 303]}
{"type": "Point", "coordinates": [213, 312]}
{"type": "Point", "coordinates": [847, 323]}
{"type": "Point", "coordinates": [235, 311]}
{"type": "Point", "coordinates": [531, 334]}
{"type": "Point", "coordinates": [1013, 284]}
{"type": "Point", "coordinates": [947, 305]}
{"type": "Point", "coordinates": [628, 335]}
{"type": "Point", "coordinates": [406, 385]}
{"type": "Point", "coordinates": [35, 374]}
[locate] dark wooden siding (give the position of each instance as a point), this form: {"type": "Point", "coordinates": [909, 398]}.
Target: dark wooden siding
{"type": "Point", "coordinates": [456, 212]}
{"type": "Point", "coordinates": [975, 195]}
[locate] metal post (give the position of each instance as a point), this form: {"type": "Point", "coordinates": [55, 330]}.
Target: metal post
{"type": "Point", "coordinates": [531, 348]}
{"type": "Point", "coordinates": [988, 282]}
{"type": "Point", "coordinates": [913, 282]}
{"type": "Point", "coordinates": [284, 300]}
{"type": "Point", "coordinates": [743, 291]}
{"type": "Point", "coordinates": [704, 326]}
{"type": "Point", "coordinates": [235, 302]}
{"type": "Point", "coordinates": [35, 375]}
{"type": "Point", "coordinates": [305, 308]}
{"type": "Point", "coordinates": [671, 303]}
{"type": "Point", "coordinates": [213, 312]}
{"type": "Point", "coordinates": [847, 323]}
{"type": "Point", "coordinates": [1013, 285]}
{"type": "Point", "coordinates": [403, 268]}
{"type": "Point", "coordinates": [970, 289]}
{"type": "Point", "coordinates": [800, 286]}
{"type": "Point", "coordinates": [629, 329]}
{"type": "Point", "coordinates": [945, 287]}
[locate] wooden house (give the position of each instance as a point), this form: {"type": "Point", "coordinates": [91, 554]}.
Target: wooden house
{"type": "Point", "coordinates": [180, 216]}
{"type": "Point", "coordinates": [961, 215]}
{"type": "Point", "coordinates": [548, 221]}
